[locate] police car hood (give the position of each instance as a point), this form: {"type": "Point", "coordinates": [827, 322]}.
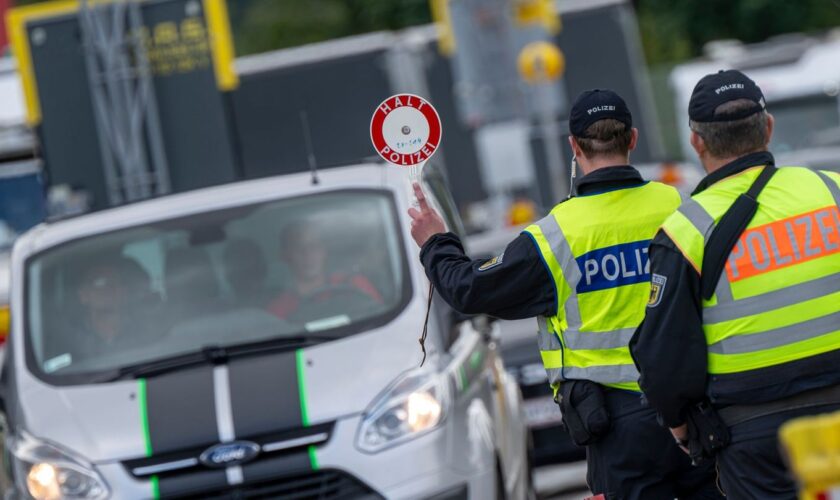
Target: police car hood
{"type": "Point", "coordinates": [245, 398]}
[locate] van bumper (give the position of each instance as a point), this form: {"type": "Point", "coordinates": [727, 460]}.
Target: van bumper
{"type": "Point", "coordinates": [439, 465]}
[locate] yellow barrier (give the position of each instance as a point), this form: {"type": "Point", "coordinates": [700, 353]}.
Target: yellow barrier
{"type": "Point", "coordinates": [813, 450]}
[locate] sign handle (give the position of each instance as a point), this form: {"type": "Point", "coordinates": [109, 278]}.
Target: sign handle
{"type": "Point", "coordinates": [415, 175]}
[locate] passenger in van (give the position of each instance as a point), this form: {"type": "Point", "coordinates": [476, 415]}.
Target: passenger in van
{"type": "Point", "coordinates": [111, 293]}
{"type": "Point", "coordinates": [303, 249]}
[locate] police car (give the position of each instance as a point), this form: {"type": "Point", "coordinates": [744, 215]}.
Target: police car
{"type": "Point", "coordinates": [257, 339]}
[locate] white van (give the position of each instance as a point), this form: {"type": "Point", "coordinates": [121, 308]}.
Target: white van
{"type": "Point", "coordinates": [254, 340]}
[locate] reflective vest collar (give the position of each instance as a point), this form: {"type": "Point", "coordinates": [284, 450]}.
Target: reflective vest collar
{"type": "Point", "coordinates": [735, 167]}
{"type": "Point", "coordinates": [608, 179]}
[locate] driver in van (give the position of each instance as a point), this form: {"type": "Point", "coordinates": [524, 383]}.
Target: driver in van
{"type": "Point", "coordinates": [303, 249]}
{"type": "Point", "coordinates": [109, 290]}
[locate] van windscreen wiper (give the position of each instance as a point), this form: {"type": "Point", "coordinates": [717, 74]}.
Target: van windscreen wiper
{"type": "Point", "coordinates": [210, 355]}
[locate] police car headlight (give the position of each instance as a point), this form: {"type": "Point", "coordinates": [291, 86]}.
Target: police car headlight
{"type": "Point", "coordinates": [44, 472]}
{"type": "Point", "coordinates": [413, 405]}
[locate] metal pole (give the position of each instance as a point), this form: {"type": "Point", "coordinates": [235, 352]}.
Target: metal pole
{"type": "Point", "coordinates": [551, 146]}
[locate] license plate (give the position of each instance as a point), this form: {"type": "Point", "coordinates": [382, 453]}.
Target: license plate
{"type": "Point", "coordinates": [541, 412]}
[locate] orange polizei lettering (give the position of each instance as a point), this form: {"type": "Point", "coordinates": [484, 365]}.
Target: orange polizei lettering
{"type": "Point", "coordinates": [785, 243]}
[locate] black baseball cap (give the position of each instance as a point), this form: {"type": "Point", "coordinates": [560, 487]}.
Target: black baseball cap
{"type": "Point", "coordinates": [595, 105]}
{"type": "Point", "coordinates": [722, 87]}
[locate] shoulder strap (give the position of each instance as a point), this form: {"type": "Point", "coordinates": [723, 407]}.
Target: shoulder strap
{"type": "Point", "coordinates": [725, 235]}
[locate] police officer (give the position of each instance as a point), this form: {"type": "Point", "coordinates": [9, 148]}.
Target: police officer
{"type": "Point", "coordinates": [740, 354]}
{"type": "Point", "coordinates": [583, 271]}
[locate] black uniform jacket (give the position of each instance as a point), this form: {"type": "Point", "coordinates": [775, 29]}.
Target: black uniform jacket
{"type": "Point", "coordinates": [669, 347]}
{"type": "Point", "coordinates": [515, 284]}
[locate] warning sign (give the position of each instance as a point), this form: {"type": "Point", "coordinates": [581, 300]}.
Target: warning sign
{"type": "Point", "coordinates": [405, 130]}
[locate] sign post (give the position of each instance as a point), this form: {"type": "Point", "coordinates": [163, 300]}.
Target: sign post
{"type": "Point", "coordinates": [406, 131]}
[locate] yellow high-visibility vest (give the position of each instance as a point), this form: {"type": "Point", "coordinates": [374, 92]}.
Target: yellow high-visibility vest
{"type": "Point", "coordinates": [596, 249]}
{"type": "Point", "coordinates": [778, 299]}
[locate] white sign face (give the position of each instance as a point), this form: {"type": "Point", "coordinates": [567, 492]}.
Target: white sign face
{"type": "Point", "coordinates": [405, 130]}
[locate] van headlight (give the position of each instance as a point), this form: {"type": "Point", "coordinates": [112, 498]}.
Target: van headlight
{"type": "Point", "coordinates": [413, 405]}
{"type": "Point", "coordinates": [45, 472]}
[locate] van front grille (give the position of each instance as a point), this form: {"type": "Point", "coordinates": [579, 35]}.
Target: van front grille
{"type": "Point", "coordinates": [325, 484]}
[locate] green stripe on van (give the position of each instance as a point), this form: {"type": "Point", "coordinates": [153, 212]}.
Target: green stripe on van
{"type": "Point", "coordinates": [304, 414]}
{"type": "Point", "coordinates": [147, 440]}
{"type": "Point", "coordinates": [155, 487]}
{"type": "Point", "coordinates": [144, 415]}
{"type": "Point", "coordinates": [313, 458]}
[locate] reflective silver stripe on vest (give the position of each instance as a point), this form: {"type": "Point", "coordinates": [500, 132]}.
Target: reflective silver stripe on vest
{"type": "Point", "coordinates": [699, 218]}
{"type": "Point", "coordinates": [548, 341]}
{"type": "Point", "coordinates": [603, 374]}
{"type": "Point", "coordinates": [571, 272]}
{"type": "Point", "coordinates": [770, 301]}
{"type": "Point", "coordinates": [723, 289]}
{"type": "Point", "coordinates": [555, 375]}
{"type": "Point", "coordinates": [705, 224]}
{"type": "Point", "coordinates": [832, 187]}
{"type": "Point", "coordinates": [572, 336]}
{"type": "Point", "coordinates": [576, 340]}
{"type": "Point", "coordinates": [561, 249]}
{"type": "Point", "coordinates": [751, 342]}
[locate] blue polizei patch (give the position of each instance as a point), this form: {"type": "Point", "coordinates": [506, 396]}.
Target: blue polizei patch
{"type": "Point", "coordinates": [614, 266]}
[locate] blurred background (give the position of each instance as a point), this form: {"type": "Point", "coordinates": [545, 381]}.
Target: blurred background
{"type": "Point", "coordinates": [495, 115]}
{"type": "Point", "coordinates": [292, 85]}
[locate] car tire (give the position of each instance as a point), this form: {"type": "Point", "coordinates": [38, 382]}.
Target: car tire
{"type": "Point", "coordinates": [530, 490]}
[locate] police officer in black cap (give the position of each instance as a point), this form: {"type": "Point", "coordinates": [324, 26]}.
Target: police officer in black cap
{"type": "Point", "coordinates": [582, 271]}
{"type": "Point", "coordinates": [742, 330]}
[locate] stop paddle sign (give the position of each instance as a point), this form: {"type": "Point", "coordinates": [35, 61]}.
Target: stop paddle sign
{"type": "Point", "coordinates": [405, 130]}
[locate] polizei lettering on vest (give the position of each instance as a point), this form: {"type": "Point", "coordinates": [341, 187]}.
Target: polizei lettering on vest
{"type": "Point", "coordinates": [614, 266]}
{"type": "Point", "coordinates": [784, 243]}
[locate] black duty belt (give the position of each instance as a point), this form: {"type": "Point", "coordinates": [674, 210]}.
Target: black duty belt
{"type": "Point", "coordinates": [736, 414]}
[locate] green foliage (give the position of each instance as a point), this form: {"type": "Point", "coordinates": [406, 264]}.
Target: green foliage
{"type": "Point", "coordinates": [261, 25]}
{"type": "Point", "coordinates": [673, 31]}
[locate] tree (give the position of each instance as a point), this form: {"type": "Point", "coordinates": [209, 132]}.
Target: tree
{"type": "Point", "coordinates": [673, 31]}
{"type": "Point", "coordinates": [261, 25]}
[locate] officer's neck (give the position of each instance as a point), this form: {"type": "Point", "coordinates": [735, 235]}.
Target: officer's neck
{"type": "Point", "coordinates": [590, 165]}
{"type": "Point", "coordinates": [713, 164]}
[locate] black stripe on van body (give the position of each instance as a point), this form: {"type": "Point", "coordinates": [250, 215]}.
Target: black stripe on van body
{"type": "Point", "coordinates": [181, 410]}
{"type": "Point", "coordinates": [264, 394]}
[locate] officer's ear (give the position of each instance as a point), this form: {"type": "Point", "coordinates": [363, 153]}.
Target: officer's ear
{"type": "Point", "coordinates": [634, 139]}
{"type": "Point", "coordinates": [771, 123]}
{"type": "Point", "coordinates": [698, 144]}
{"type": "Point", "coordinates": [575, 147]}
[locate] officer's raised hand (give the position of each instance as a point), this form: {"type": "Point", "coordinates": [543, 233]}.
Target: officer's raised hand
{"type": "Point", "coordinates": [425, 221]}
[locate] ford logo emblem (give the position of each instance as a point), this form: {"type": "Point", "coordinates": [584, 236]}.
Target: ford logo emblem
{"type": "Point", "coordinates": [228, 454]}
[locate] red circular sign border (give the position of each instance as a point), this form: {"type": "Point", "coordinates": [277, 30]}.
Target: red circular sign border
{"type": "Point", "coordinates": [432, 117]}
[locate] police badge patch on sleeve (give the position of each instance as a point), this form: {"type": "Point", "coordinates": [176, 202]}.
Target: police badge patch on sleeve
{"type": "Point", "coordinates": [657, 286]}
{"type": "Point", "coordinates": [490, 264]}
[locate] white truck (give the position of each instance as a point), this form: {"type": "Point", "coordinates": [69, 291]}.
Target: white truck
{"type": "Point", "coordinates": [800, 78]}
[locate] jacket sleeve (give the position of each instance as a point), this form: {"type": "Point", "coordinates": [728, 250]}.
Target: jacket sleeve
{"type": "Point", "coordinates": [669, 347]}
{"type": "Point", "coordinates": [513, 285]}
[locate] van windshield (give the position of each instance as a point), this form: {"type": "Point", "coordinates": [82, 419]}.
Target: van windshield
{"type": "Point", "coordinates": [313, 268]}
